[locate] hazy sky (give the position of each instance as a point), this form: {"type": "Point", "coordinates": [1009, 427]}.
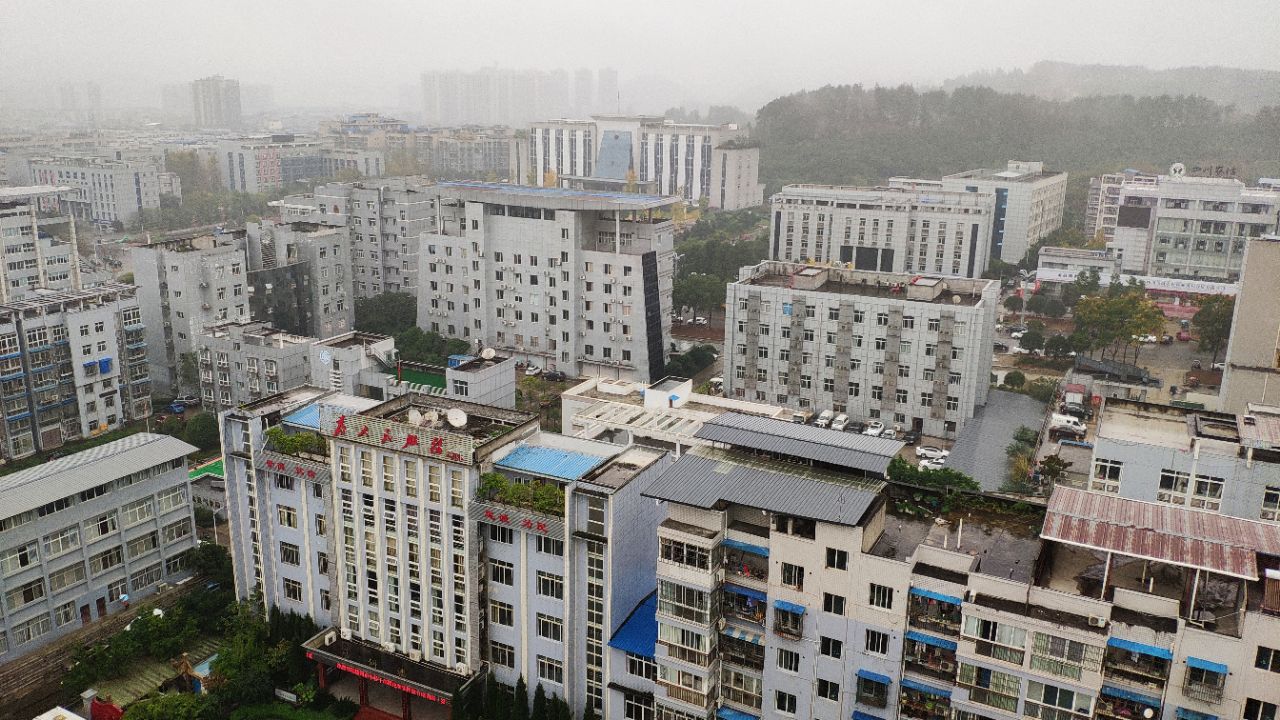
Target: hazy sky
{"type": "Point", "coordinates": [331, 51]}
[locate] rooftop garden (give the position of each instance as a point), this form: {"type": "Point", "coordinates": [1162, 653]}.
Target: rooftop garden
{"type": "Point", "coordinates": [540, 497]}
{"type": "Point", "coordinates": [299, 443]}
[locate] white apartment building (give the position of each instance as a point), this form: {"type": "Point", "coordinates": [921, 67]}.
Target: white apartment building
{"type": "Point", "coordinates": [1189, 227]}
{"type": "Point", "coordinates": [908, 350]}
{"type": "Point", "coordinates": [569, 280]}
{"type": "Point", "coordinates": [300, 278]}
{"type": "Point", "coordinates": [38, 242]}
{"type": "Point", "coordinates": [106, 192]}
{"type": "Point", "coordinates": [715, 164]}
{"type": "Point", "coordinates": [894, 229]}
{"type": "Point", "coordinates": [1029, 202]}
{"type": "Point", "coordinates": [1103, 205]}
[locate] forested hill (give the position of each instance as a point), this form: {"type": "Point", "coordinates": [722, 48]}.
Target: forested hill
{"type": "Point", "coordinates": [850, 134]}
{"type": "Point", "coordinates": [1248, 90]}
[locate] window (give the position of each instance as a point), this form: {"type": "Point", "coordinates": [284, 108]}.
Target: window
{"type": "Point", "coordinates": [170, 499]}
{"type": "Point", "coordinates": [20, 558]}
{"type": "Point", "coordinates": [788, 660]}
{"type": "Point", "coordinates": [287, 516]}
{"type": "Point", "coordinates": [501, 613]}
{"type": "Point", "coordinates": [828, 690]}
{"type": "Point", "coordinates": [685, 554]}
{"type": "Point", "coordinates": [64, 613]}
{"type": "Point", "coordinates": [881, 596]}
{"type": "Point", "coordinates": [872, 693]}
{"type": "Point", "coordinates": [877, 642]}
{"type": "Point", "coordinates": [136, 512]}
{"type": "Point", "coordinates": [550, 585]}
{"type": "Point", "coordinates": [550, 670]}
{"type": "Point", "coordinates": [1201, 682]}
{"type": "Point", "coordinates": [551, 628]}
{"type": "Point", "coordinates": [989, 687]}
{"type": "Point", "coordinates": [61, 541]}
{"type": "Point", "coordinates": [996, 640]}
{"type": "Point", "coordinates": [831, 647]}
{"type": "Point", "coordinates": [292, 590]}
{"type": "Point", "coordinates": [785, 702]}
{"type": "Point", "coordinates": [1106, 475]}
{"type": "Point", "coordinates": [105, 560]}
{"type": "Point", "coordinates": [683, 602]}
{"type": "Point", "coordinates": [145, 577]}
{"type": "Point", "coordinates": [550, 546]}
{"type": "Point", "coordinates": [1043, 700]}
{"type": "Point", "coordinates": [838, 559]}
{"type": "Point", "coordinates": [1267, 659]}
{"type": "Point", "coordinates": [24, 594]}
{"type": "Point", "coordinates": [104, 524]}
{"type": "Point", "coordinates": [32, 629]}
{"type": "Point", "coordinates": [1065, 658]}
{"type": "Point", "coordinates": [501, 572]}
{"type": "Point", "coordinates": [502, 654]}
{"type": "Point", "coordinates": [641, 666]}
{"type": "Point", "coordinates": [500, 534]}
{"type": "Point", "coordinates": [833, 603]}
{"type": "Point", "coordinates": [289, 554]}
{"type": "Point", "coordinates": [144, 544]}
{"type": "Point", "coordinates": [1253, 709]}
{"type": "Point", "coordinates": [66, 577]}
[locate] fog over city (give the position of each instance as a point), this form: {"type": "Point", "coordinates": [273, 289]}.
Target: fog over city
{"type": "Point", "coordinates": [330, 53]}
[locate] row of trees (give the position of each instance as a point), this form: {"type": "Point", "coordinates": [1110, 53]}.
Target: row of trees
{"type": "Point", "coordinates": [499, 702]}
{"type": "Point", "coordinates": [711, 252]}
{"type": "Point", "coordinates": [396, 314]}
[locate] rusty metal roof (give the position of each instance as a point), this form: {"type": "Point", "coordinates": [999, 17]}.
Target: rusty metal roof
{"type": "Point", "coordinates": [1163, 533]}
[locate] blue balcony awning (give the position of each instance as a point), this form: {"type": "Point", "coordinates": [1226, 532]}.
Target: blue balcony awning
{"type": "Point", "coordinates": [789, 607]}
{"type": "Point", "coordinates": [1188, 714]}
{"type": "Point", "coordinates": [753, 638]}
{"type": "Point", "coordinates": [937, 596]}
{"type": "Point", "coordinates": [1131, 695]}
{"type": "Point", "coordinates": [746, 592]}
{"type": "Point", "coordinates": [104, 365]}
{"type": "Point", "coordinates": [931, 640]}
{"type": "Point", "coordinates": [859, 715]}
{"type": "Point", "coordinates": [875, 677]}
{"type": "Point", "coordinates": [1209, 665]}
{"type": "Point", "coordinates": [1140, 648]}
{"type": "Point", "coordinates": [727, 713]}
{"type": "Point", "coordinates": [927, 689]}
{"type": "Point", "coordinates": [745, 547]}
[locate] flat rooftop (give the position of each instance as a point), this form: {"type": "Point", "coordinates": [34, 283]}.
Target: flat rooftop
{"type": "Point", "coordinates": [353, 339]}
{"type": "Point", "coordinates": [1005, 547]}
{"type": "Point", "coordinates": [10, 194]}
{"type": "Point", "coordinates": [479, 421]}
{"type": "Point", "coordinates": [880, 194]}
{"type": "Point", "coordinates": [624, 467]}
{"type": "Point", "coordinates": [1175, 427]}
{"type": "Point", "coordinates": [1004, 174]}
{"type": "Point", "coordinates": [876, 285]}
{"type": "Point", "coordinates": [553, 198]}
{"type": "Point", "coordinates": [44, 297]}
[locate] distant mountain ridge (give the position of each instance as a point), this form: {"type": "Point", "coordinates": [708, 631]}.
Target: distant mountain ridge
{"type": "Point", "coordinates": [1247, 90]}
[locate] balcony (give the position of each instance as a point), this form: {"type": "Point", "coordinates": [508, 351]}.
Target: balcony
{"type": "Point", "coordinates": [788, 620]}
{"type": "Point", "coordinates": [743, 604]}
{"type": "Point", "coordinates": [743, 653]}
{"type": "Point", "coordinates": [746, 562]}
{"type": "Point", "coordinates": [1135, 664]}
{"type": "Point", "coordinates": [687, 696]}
{"type": "Point", "coordinates": [929, 611]}
{"type": "Point", "coordinates": [929, 656]}
{"type": "Point", "coordinates": [1120, 704]}
{"type": "Point", "coordinates": [921, 705]}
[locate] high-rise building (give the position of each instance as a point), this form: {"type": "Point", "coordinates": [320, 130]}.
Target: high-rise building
{"type": "Point", "coordinates": [1251, 371]}
{"type": "Point", "coordinates": [715, 164]}
{"type": "Point", "coordinates": [902, 349]}
{"type": "Point", "coordinates": [894, 229]}
{"type": "Point", "coordinates": [1103, 204]}
{"type": "Point", "coordinates": [1029, 202]}
{"type": "Point", "coordinates": [81, 534]}
{"type": "Point", "coordinates": [38, 241]}
{"type": "Point", "coordinates": [568, 280]}
{"type": "Point", "coordinates": [497, 96]}
{"type": "Point", "coordinates": [81, 101]}
{"type": "Point", "coordinates": [299, 277]}
{"type": "Point", "coordinates": [215, 102]}
{"type": "Point", "coordinates": [107, 191]}
{"type": "Point", "coordinates": [608, 98]}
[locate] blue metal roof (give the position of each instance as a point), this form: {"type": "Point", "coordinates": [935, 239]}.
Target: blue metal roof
{"type": "Point", "coordinates": [937, 596]}
{"type": "Point", "coordinates": [1131, 695]}
{"type": "Point", "coordinates": [790, 607]}
{"type": "Point", "coordinates": [874, 677]}
{"type": "Point", "coordinates": [746, 547]}
{"type": "Point", "coordinates": [931, 640]}
{"type": "Point", "coordinates": [307, 417]}
{"type": "Point", "coordinates": [1209, 665]}
{"type": "Point", "coordinates": [614, 160]}
{"type": "Point", "coordinates": [550, 462]}
{"type": "Point", "coordinates": [928, 689]}
{"type": "Point", "coordinates": [639, 632]}
{"type": "Point", "coordinates": [728, 713]}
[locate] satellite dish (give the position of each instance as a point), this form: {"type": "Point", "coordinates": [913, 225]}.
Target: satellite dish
{"type": "Point", "coordinates": [456, 417]}
{"type": "Point", "coordinates": [487, 353]}
{"type": "Point", "coordinates": [415, 417]}
{"type": "Point", "coordinates": [956, 300]}
{"type": "Point", "coordinates": [1177, 170]}
{"type": "Point", "coordinates": [432, 417]}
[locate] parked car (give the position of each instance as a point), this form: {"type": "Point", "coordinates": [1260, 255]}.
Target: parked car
{"type": "Point", "coordinates": [874, 428]}
{"type": "Point", "coordinates": [824, 419]}
{"type": "Point", "coordinates": [1059, 421]}
{"type": "Point", "coordinates": [931, 464]}
{"type": "Point", "coordinates": [699, 321]}
{"type": "Point", "coordinates": [889, 434]}
{"type": "Point", "coordinates": [910, 438]}
{"type": "Point", "coordinates": [1017, 334]}
{"type": "Point", "coordinates": [555, 376]}
{"type": "Point", "coordinates": [177, 408]}
{"type": "Point", "coordinates": [532, 370]}
{"type": "Point", "coordinates": [1166, 340]}
{"type": "Point", "coordinates": [856, 426]}
{"type": "Point", "coordinates": [929, 452]}
{"type": "Point", "coordinates": [840, 423]}
{"type": "Point", "coordinates": [1017, 329]}
{"type": "Point", "coordinates": [1184, 336]}
{"type": "Point", "coordinates": [1000, 347]}
{"type": "Point", "coordinates": [1076, 410]}
{"type": "Point", "coordinates": [801, 417]}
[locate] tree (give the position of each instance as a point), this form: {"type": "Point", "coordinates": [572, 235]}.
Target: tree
{"type": "Point", "coordinates": [1032, 340]}
{"type": "Point", "coordinates": [700, 292]}
{"type": "Point", "coordinates": [589, 713]}
{"type": "Point", "coordinates": [1053, 469]}
{"type": "Point", "coordinates": [1043, 389]}
{"type": "Point", "coordinates": [176, 706]}
{"type": "Point", "coordinates": [126, 278]}
{"type": "Point", "coordinates": [539, 704]}
{"type": "Point", "coordinates": [1057, 346]}
{"type": "Point", "coordinates": [520, 703]}
{"type": "Point", "coordinates": [202, 431]}
{"type": "Point", "coordinates": [1014, 303]}
{"type": "Point", "coordinates": [188, 371]}
{"type": "Point", "coordinates": [1213, 322]}
{"type": "Point", "coordinates": [387, 314]}
{"type": "Point", "coordinates": [1047, 305]}
{"type": "Point", "coordinates": [241, 674]}
{"type": "Point", "coordinates": [1015, 379]}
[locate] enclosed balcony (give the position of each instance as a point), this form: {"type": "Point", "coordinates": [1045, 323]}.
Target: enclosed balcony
{"type": "Point", "coordinates": [746, 561]}
{"type": "Point", "coordinates": [1205, 680]}
{"type": "Point", "coordinates": [924, 702]}
{"type": "Point", "coordinates": [1116, 703]}
{"type": "Point", "coordinates": [931, 656]}
{"type": "Point", "coordinates": [743, 604]}
{"type": "Point", "coordinates": [788, 619]}
{"type": "Point", "coordinates": [934, 611]}
{"type": "Point", "coordinates": [1137, 664]}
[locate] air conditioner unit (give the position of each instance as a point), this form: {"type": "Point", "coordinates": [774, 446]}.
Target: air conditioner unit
{"type": "Point", "coordinates": [1097, 621]}
{"type": "Point", "coordinates": [582, 277]}
{"type": "Point", "coordinates": [627, 338]}
{"type": "Point", "coordinates": [330, 638]}
{"type": "Point", "coordinates": [346, 633]}
{"type": "Point", "coordinates": [582, 333]}
{"type": "Point", "coordinates": [415, 655]}
{"type": "Point", "coordinates": [613, 337]}
{"type": "Point", "coordinates": [720, 624]}
{"type": "Point", "coordinates": [389, 647]}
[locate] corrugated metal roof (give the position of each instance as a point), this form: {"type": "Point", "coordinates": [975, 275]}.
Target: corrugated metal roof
{"type": "Point", "coordinates": [1164, 533]}
{"type": "Point", "coordinates": [29, 489]}
{"type": "Point", "coordinates": [308, 417]}
{"type": "Point", "coordinates": [638, 634]}
{"type": "Point", "coordinates": [550, 462]}
{"type": "Point", "coordinates": [852, 450]}
{"type": "Point", "coordinates": [702, 479]}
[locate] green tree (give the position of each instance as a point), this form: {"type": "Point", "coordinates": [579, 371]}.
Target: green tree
{"type": "Point", "coordinates": [202, 431]}
{"type": "Point", "coordinates": [1013, 303]}
{"type": "Point", "coordinates": [1015, 379]}
{"type": "Point", "coordinates": [1213, 323]}
{"type": "Point", "coordinates": [520, 703]}
{"type": "Point", "coordinates": [1046, 305]}
{"type": "Point", "coordinates": [126, 278]}
{"type": "Point", "coordinates": [387, 314]}
{"type": "Point", "coordinates": [1053, 469]}
{"type": "Point", "coordinates": [539, 711]}
{"type": "Point", "coordinates": [589, 713]}
{"type": "Point", "coordinates": [1057, 346]}
{"type": "Point", "coordinates": [170, 707]}
{"type": "Point", "coordinates": [1043, 389]}
{"type": "Point", "coordinates": [188, 370]}
{"type": "Point", "coordinates": [1032, 340]}
{"type": "Point", "coordinates": [700, 292]}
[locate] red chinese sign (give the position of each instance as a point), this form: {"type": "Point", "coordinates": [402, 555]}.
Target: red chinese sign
{"type": "Point", "coordinates": [389, 683]}
{"type": "Point", "coordinates": [505, 519]}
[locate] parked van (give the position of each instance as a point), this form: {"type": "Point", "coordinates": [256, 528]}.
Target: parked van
{"type": "Point", "coordinates": [1059, 421]}
{"type": "Point", "coordinates": [801, 417]}
{"type": "Point", "coordinates": [824, 419]}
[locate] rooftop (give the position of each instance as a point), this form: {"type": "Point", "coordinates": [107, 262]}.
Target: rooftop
{"type": "Point", "coordinates": [550, 462]}
{"type": "Point", "coordinates": [31, 488]}
{"type": "Point", "coordinates": [43, 297]}
{"type": "Point", "coordinates": [284, 400]}
{"type": "Point", "coordinates": [479, 421]}
{"type": "Point", "coordinates": [704, 478]}
{"type": "Point", "coordinates": [993, 426]}
{"type": "Point", "coordinates": [9, 194]}
{"type": "Point", "coordinates": [882, 194]}
{"type": "Point", "coordinates": [1130, 421]}
{"type": "Point", "coordinates": [355, 338]}
{"type": "Point", "coordinates": [309, 416]}
{"type": "Point", "coordinates": [624, 467]}
{"type": "Point", "coordinates": [1000, 546]}
{"type": "Point", "coordinates": [841, 281]}
{"type": "Point", "coordinates": [833, 447]}
{"type": "Point", "coordinates": [554, 198]}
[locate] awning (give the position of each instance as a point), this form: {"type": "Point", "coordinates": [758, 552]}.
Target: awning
{"type": "Point", "coordinates": [789, 607]}
{"type": "Point", "coordinates": [727, 713]}
{"type": "Point", "coordinates": [1188, 714]}
{"type": "Point", "coordinates": [931, 640]}
{"type": "Point", "coordinates": [859, 715]}
{"type": "Point", "coordinates": [753, 638]}
{"type": "Point", "coordinates": [928, 689]}
{"type": "Point", "coordinates": [748, 592]}
{"type": "Point", "coordinates": [1138, 647]}
{"type": "Point", "coordinates": [746, 547]}
{"type": "Point", "coordinates": [875, 677]}
{"type": "Point", "coordinates": [1211, 666]}
{"type": "Point", "coordinates": [937, 596]}
{"type": "Point", "coordinates": [1131, 695]}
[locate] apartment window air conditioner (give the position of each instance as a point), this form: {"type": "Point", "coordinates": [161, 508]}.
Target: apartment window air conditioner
{"type": "Point", "coordinates": [415, 655]}
{"type": "Point", "coordinates": [346, 633]}
{"type": "Point", "coordinates": [1097, 621]}
{"type": "Point", "coordinates": [330, 638]}
{"type": "Point", "coordinates": [389, 647]}
{"type": "Point", "coordinates": [627, 338]}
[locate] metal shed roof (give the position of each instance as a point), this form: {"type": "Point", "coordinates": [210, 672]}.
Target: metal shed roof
{"type": "Point", "coordinates": [29, 489]}
{"type": "Point", "coordinates": [1154, 531]}
{"type": "Point", "coordinates": [638, 634]}
{"type": "Point", "coordinates": [704, 477]}
{"type": "Point", "coordinates": [562, 464]}
{"type": "Point", "coordinates": [851, 450]}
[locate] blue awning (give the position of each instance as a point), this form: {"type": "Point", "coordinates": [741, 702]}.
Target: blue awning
{"type": "Point", "coordinates": [789, 607]}
{"type": "Point", "coordinates": [746, 547]}
{"type": "Point", "coordinates": [921, 687]}
{"type": "Point", "coordinates": [104, 365]}
{"type": "Point", "coordinates": [748, 592]}
{"type": "Point", "coordinates": [931, 640]}
{"type": "Point", "coordinates": [1131, 695]}
{"type": "Point", "coordinates": [937, 596]}
{"type": "Point", "coordinates": [875, 677]}
{"type": "Point", "coordinates": [1188, 714]}
{"type": "Point", "coordinates": [1211, 666]}
{"type": "Point", "coordinates": [859, 715]}
{"type": "Point", "coordinates": [1138, 647]}
{"type": "Point", "coordinates": [753, 638]}
{"type": "Point", "coordinates": [638, 634]}
{"type": "Point", "coordinates": [726, 713]}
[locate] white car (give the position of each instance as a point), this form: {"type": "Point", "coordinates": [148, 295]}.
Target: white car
{"type": "Point", "coordinates": [1220, 366]}
{"type": "Point", "coordinates": [874, 428]}
{"type": "Point", "coordinates": [1017, 334]}
{"type": "Point", "coordinates": [931, 464]}
{"type": "Point", "coordinates": [532, 370]}
{"type": "Point", "coordinates": [824, 419]}
{"type": "Point", "coordinates": [840, 423]}
{"type": "Point", "coordinates": [929, 452]}
{"type": "Point", "coordinates": [699, 321]}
